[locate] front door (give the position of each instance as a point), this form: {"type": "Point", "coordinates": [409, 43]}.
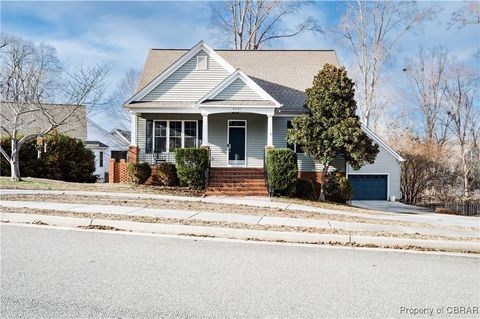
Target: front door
{"type": "Point", "coordinates": [236, 142]}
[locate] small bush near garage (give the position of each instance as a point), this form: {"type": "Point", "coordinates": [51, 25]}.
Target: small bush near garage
{"type": "Point", "coordinates": [66, 159]}
{"type": "Point", "coordinates": [282, 171]}
{"type": "Point", "coordinates": [305, 189]}
{"type": "Point", "coordinates": [337, 188]}
{"type": "Point", "coordinates": [138, 173]}
{"type": "Point", "coordinates": [166, 174]}
{"type": "Point", "coordinates": [192, 165]}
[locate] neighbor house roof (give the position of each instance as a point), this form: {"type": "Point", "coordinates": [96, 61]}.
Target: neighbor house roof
{"type": "Point", "coordinates": [284, 74]}
{"type": "Point", "coordinates": [97, 134]}
{"type": "Point", "coordinates": [35, 122]}
{"type": "Point", "coordinates": [95, 144]}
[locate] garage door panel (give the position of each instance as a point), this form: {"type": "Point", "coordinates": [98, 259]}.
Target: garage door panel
{"type": "Point", "coordinates": [369, 187]}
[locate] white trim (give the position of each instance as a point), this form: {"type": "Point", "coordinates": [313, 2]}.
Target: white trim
{"type": "Point", "coordinates": [222, 109]}
{"type": "Point", "coordinates": [161, 110]}
{"type": "Point", "coordinates": [228, 141]}
{"type": "Point", "coordinates": [175, 66]}
{"type": "Point", "coordinates": [205, 130]}
{"type": "Point", "coordinates": [270, 131]}
{"type": "Point", "coordinates": [134, 127]}
{"type": "Point", "coordinates": [229, 80]}
{"type": "Point", "coordinates": [167, 144]}
{"type": "Point", "coordinates": [379, 141]}
{"type": "Point", "coordinates": [387, 174]}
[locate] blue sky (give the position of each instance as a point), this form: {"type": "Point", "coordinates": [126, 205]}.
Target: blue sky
{"type": "Point", "coordinates": [122, 32]}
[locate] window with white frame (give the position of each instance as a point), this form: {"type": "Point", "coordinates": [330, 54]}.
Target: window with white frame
{"type": "Point", "coordinates": [202, 62]}
{"type": "Point", "coordinates": [190, 134]}
{"type": "Point", "coordinates": [169, 135]}
{"type": "Point", "coordinates": [293, 147]}
{"type": "Point", "coordinates": [160, 137]}
{"type": "Point", "coordinates": [175, 135]}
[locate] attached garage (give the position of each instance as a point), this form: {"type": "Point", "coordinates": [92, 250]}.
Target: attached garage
{"type": "Point", "coordinates": [369, 186]}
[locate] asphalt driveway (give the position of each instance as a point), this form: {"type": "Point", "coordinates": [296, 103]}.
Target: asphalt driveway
{"type": "Point", "coordinates": [391, 207]}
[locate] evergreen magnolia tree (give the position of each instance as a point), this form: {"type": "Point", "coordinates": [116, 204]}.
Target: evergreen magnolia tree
{"type": "Point", "coordinates": [331, 125]}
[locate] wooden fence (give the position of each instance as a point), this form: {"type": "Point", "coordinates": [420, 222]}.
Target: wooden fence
{"type": "Point", "coordinates": [466, 208]}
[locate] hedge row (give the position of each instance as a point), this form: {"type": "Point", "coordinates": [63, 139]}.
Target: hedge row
{"type": "Point", "coordinates": [66, 159]}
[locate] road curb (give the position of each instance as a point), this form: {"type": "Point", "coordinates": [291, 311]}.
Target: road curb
{"type": "Point", "coordinates": [245, 234]}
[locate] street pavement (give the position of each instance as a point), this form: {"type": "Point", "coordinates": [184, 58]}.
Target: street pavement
{"type": "Point", "coordinates": [56, 273]}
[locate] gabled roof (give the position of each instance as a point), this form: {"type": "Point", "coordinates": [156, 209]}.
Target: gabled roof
{"type": "Point", "coordinates": [170, 69]}
{"type": "Point", "coordinates": [380, 142]}
{"type": "Point", "coordinates": [96, 133]}
{"type": "Point", "coordinates": [283, 74]}
{"type": "Point", "coordinates": [238, 75]}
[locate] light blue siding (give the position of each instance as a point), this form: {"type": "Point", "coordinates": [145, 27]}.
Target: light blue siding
{"type": "Point", "coordinates": [238, 90]}
{"type": "Point", "coordinates": [188, 83]}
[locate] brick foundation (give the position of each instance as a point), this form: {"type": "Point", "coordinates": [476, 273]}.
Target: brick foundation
{"type": "Point", "coordinates": [133, 154]}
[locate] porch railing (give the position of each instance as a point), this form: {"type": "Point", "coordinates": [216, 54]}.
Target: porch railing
{"type": "Point", "coordinates": [168, 157]}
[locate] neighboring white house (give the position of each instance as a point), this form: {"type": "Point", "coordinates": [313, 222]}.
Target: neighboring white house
{"type": "Point", "coordinates": [237, 103]}
{"type": "Point", "coordinates": [106, 145]}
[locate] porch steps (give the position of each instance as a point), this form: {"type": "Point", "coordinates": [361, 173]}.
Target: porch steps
{"type": "Point", "coordinates": [237, 182]}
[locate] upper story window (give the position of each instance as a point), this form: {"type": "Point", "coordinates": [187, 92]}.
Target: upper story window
{"type": "Point", "coordinates": [202, 62]}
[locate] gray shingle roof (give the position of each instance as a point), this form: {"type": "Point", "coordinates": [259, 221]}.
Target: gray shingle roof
{"type": "Point", "coordinates": [284, 74]}
{"type": "Point", "coordinates": [35, 122]}
{"type": "Point", "coordinates": [95, 144]}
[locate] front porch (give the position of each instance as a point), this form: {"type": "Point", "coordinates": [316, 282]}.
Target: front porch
{"type": "Point", "coordinates": [235, 139]}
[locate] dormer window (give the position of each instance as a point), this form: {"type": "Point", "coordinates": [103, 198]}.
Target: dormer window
{"type": "Point", "coordinates": [202, 62]}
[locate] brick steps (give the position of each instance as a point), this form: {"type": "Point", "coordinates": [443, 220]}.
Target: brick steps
{"type": "Point", "coordinates": [237, 182]}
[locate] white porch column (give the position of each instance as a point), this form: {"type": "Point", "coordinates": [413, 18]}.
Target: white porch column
{"type": "Point", "coordinates": [270, 130]}
{"type": "Point", "coordinates": [205, 130]}
{"type": "Point", "coordinates": [134, 121]}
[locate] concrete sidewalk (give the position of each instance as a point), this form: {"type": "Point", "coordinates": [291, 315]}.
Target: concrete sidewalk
{"type": "Point", "coordinates": [438, 219]}
{"type": "Point", "coordinates": [238, 218]}
{"type": "Point", "coordinates": [247, 234]}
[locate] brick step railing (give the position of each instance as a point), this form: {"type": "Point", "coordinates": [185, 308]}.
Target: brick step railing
{"type": "Point", "coordinates": [237, 182]}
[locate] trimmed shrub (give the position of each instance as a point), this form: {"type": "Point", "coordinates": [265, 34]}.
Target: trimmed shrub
{"type": "Point", "coordinates": [66, 159]}
{"type": "Point", "coordinates": [166, 174]}
{"type": "Point", "coordinates": [138, 173]}
{"type": "Point", "coordinates": [282, 171]}
{"type": "Point", "coordinates": [305, 189]}
{"type": "Point", "coordinates": [192, 165]}
{"type": "Point", "coordinates": [337, 188]}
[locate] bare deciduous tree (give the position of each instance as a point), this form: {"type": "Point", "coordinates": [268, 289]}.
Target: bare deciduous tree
{"type": "Point", "coordinates": [427, 72]}
{"type": "Point", "coordinates": [124, 90]}
{"type": "Point", "coordinates": [252, 24]}
{"type": "Point", "coordinates": [464, 112]}
{"type": "Point", "coordinates": [31, 77]}
{"type": "Point", "coordinates": [469, 14]}
{"type": "Point", "coordinates": [372, 29]}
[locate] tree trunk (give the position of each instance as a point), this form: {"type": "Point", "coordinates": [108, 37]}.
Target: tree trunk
{"type": "Point", "coordinates": [15, 162]}
{"type": "Point", "coordinates": [466, 192]}
{"type": "Point", "coordinates": [321, 196]}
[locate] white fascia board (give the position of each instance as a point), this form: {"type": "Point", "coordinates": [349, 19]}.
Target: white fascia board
{"type": "Point", "coordinates": [238, 74]}
{"type": "Point", "coordinates": [268, 111]}
{"type": "Point", "coordinates": [182, 110]}
{"type": "Point", "coordinates": [175, 66]}
{"type": "Point", "coordinates": [379, 141]}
